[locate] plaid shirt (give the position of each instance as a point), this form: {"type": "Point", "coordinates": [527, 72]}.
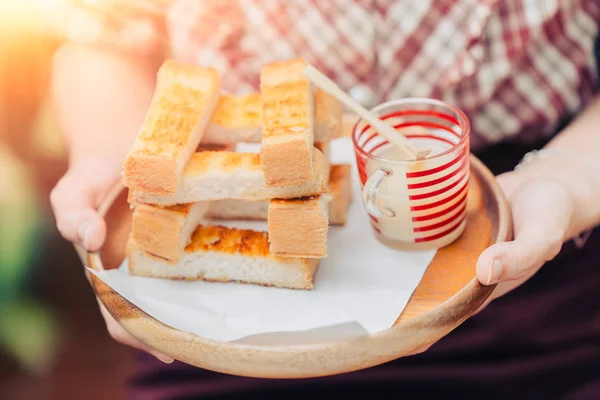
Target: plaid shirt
{"type": "Point", "coordinates": [517, 68]}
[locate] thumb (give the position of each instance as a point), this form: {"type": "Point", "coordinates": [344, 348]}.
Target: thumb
{"type": "Point", "coordinates": [74, 202]}
{"type": "Point", "coordinates": [541, 213]}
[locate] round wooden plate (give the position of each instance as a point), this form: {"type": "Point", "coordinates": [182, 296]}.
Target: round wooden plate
{"type": "Point", "coordinates": [448, 294]}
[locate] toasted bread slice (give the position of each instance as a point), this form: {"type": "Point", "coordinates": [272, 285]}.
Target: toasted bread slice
{"type": "Point", "coordinates": [238, 210]}
{"type": "Point", "coordinates": [183, 102]}
{"type": "Point", "coordinates": [227, 255]}
{"type": "Point", "coordinates": [340, 190]}
{"type": "Point", "coordinates": [339, 199]}
{"type": "Point", "coordinates": [287, 107]}
{"type": "Point", "coordinates": [238, 119]}
{"type": "Point", "coordinates": [298, 227]}
{"type": "Point", "coordinates": [230, 175]}
{"type": "Point", "coordinates": [164, 232]}
{"type": "Point", "coordinates": [329, 114]}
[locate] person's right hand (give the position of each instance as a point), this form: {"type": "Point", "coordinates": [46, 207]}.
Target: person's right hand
{"type": "Point", "coordinates": [75, 201]}
{"type": "Point", "coordinates": [76, 197]}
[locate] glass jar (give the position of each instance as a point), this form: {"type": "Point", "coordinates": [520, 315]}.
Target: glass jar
{"type": "Point", "coordinates": [415, 204]}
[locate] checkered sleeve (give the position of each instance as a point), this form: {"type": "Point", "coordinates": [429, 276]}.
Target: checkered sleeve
{"type": "Point", "coordinates": [517, 68]}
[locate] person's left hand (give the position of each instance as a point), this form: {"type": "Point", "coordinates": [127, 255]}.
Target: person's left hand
{"type": "Point", "coordinates": [542, 210]}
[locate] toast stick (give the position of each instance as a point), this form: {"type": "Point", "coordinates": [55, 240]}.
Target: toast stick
{"type": "Point", "coordinates": [183, 102]}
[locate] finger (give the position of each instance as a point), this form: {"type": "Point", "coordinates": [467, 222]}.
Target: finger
{"type": "Point", "coordinates": [73, 203]}
{"type": "Point", "coordinates": [517, 259]}
{"type": "Point", "coordinates": [541, 214]}
{"type": "Point", "coordinates": [119, 334]}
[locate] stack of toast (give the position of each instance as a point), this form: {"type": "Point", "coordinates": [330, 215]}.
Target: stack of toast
{"type": "Point", "coordinates": [184, 176]}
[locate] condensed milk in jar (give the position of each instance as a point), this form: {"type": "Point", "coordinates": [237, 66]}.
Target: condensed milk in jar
{"type": "Point", "coordinates": [415, 204]}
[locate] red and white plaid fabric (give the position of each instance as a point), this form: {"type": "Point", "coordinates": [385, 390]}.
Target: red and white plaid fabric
{"type": "Point", "coordinates": [517, 68]}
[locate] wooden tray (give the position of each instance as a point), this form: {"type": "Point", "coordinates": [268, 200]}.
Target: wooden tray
{"type": "Point", "coordinates": [448, 294]}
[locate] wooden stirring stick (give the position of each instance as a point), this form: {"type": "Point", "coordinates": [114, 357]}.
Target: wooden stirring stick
{"type": "Point", "coordinates": [380, 126]}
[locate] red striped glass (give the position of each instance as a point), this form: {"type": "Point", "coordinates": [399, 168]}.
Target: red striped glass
{"type": "Point", "coordinates": [415, 204]}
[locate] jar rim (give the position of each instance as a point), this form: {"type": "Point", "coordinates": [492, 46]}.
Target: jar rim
{"type": "Point", "coordinates": [463, 123]}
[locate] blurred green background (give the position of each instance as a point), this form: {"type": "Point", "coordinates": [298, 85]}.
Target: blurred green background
{"type": "Point", "coordinates": [53, 342]}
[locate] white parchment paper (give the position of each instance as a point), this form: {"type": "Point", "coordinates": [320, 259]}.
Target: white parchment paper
{"type": "Point", "coordinates": [360, 288]}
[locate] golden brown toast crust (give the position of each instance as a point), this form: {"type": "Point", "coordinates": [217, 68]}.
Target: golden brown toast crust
{"type": "Point", "coordinates": [287, 108]}
{"type": "Point", "coordinates": [329, 114]}
{"type": "Point", "coordinates": [157, 231]}
{"type": "Point", "coordinates": [229, 240]}
{"type": "Point", "coordinates": [215, 147]}
{"type": "Point", "coordinates": [340, 189]}
{"type": "Point", "coordinates": [171, 118]}
{"type": "Point", "coordinates": [227, 161]}
{"type": "Point", "coordinates": [223, 161]}
{"type": "Point", "coordinates": [238, 111]}
{"type": "Point", "coordinates": [340, 173]}
{"type": "Point", "coordinates": [181, 71]}
{"type": "Point", "coordinates": [177, 208]}
{"type": "Point", "coordinates": [298, 227]}
{"type": "Point", "coordinates": [152, 174]}
{"type": "Point", "coordinates": [182, 96]}
{"type": "Point", "coordinates": [285, 163]}
{"type": "Point", "coordinates": [244, 112]}
{"type": "Point", "coordinates": [278, 72]}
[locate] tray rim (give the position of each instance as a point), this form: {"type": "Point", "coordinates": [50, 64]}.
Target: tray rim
{"type": "Point", "coordinates": [364, 351]}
